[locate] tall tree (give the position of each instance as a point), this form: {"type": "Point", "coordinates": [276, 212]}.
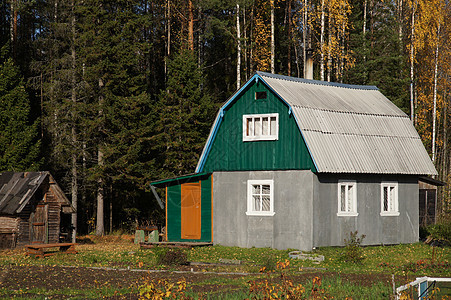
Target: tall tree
{"type": "Point", "coordinates": [185, 115]}
{"type": "Point", "coordinates": [19, 142]}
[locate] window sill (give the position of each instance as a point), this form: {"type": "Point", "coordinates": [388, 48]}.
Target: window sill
{"type": "Point", "coordinates": [260, 214]}
{"type": "Point", "coordinates": [260, 138]}
{"type": "Point", "coordinates": [389, 214]}
{"type": "Point", "coordinates": [347, 214]}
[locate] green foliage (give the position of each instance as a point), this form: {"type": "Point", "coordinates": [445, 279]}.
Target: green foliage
{"type": "Point", "coordinates": [172, 257]}
{"type": "Point", "coordinates": [185, 115]}
{"type": "Point", "coordinates": [441, 231]}
{"type": "Point", "coordinates": [19, 142]}
{"type": "Point", "coordinates": [286, 289]}
{"type": "Point", "coordinates": [353, 251]}
{"type": "Point", "coordinates": [162, 289]}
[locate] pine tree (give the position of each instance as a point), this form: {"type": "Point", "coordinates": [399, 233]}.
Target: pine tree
{"type": "Point", "coordinates": [185, 115]}
{"type": "Point", "coordinates": [19, 142]}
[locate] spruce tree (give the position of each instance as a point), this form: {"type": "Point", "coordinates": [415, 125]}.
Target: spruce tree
{"type": "Point", "coordinates": [19, 142]}
{"type": "Point", "coordinates": [186, 112]}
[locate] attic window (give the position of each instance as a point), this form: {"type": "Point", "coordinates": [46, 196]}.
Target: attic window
{"type": "Point", "coordinates": [264, 127]}
{"type": "Point", "coordinates": [260, 95]}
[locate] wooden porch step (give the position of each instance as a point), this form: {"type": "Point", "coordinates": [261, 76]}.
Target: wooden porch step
{"type": "Point", "coordinates": [175, 244]}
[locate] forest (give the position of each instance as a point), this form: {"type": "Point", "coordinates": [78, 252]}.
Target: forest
{"type": "Point", "coordinates": [109, 95]}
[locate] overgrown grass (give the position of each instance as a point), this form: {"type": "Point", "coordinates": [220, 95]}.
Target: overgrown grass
{"type": "Point", "coordinates": [376, 259]}
{"type": "Point", "coordinates": [398, 259]}
{"type": "Point", "coordinates": [89, 293]}
{"type": "Point", "coordinates": [411, 260]}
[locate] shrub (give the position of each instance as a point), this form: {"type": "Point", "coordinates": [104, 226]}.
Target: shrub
{"type": "Point", "coordinates": [441, 231]}
{"type": "Point", "coordinates": [172, 257]}
{"type": "Point", "coordinates": [286, 289]}
{"type": "Point", "coordinates": [162, 289]}
{"type": "Point", "coordinates": [353, 251]}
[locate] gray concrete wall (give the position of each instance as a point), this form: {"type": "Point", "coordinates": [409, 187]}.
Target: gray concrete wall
{"type": "Point", "coordinates": [291, 225]}
{"type": "Point", "coordinates": [331, 230]}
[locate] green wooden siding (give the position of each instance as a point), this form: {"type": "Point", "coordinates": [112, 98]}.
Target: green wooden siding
{"type": "Point", "coordinates": [229, 152]}
{"type": "Point", "coordinates": [173, 203]}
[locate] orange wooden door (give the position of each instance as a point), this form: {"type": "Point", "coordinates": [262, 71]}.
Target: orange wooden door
{"type": "Point", "coordinates": [191, 211]}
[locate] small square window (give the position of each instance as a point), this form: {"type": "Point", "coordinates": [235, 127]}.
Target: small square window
{"type": "Point", "coordinates": [347, 198]}
{"type": "Point", "coordinates": [264, 127]}
{"type": "Point", "coordinates": [389, 199]}
{"type": "Point", "coordinates": [260, 95]}
{"type": "Point", "coordinates": [260, 198]}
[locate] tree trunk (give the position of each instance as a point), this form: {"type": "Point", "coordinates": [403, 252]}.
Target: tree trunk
{"type": "Point", "coordinates": [322, 40]}
{"type": "Point", "coordinates": [289, 39]}
{"type": "Point", "coordinates": [273, 47]}
{"type": "Point", "coordinates": [190, 26]}
{"type": "Point", "coordinates": [251, 36]}
{"type": "Point", "coordinates": [238, 37]}
{"type": "Point", "coordinates": [304, 37]}
{"type": "Point", "coordinates": [412, 40]}
{"type": "Point", "coordinates": [329, 54]}
{"type": "Point", "coordinates": [400, 4]}
{"type": "Point", "coordinates": [13, 28]}
{"type": "Point", "coordinates": [168, 39]}
{"type": "Point", "coordinates": [74, 182]}
{"type": "Point", "coordinates": [434, 110]}
{"type": "Point", "coordinates": [365, 4]}
{"type": "Point", "coordinates": [100, 229]}
{"type": "Point", "coordinates": [111, 215]}
{"type": "Point", "coordinates": [246, 63]}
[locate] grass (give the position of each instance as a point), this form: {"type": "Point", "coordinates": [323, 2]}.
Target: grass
{"type": "Point", "coordinates": [404, 261]}
{"type": "Point", "coordinates": [39, 293]}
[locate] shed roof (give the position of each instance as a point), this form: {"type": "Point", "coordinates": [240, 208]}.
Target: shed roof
{"type": "Point", "coordinates": [347, 128]}
{"type": "Point", "coordinates": [17, 188]}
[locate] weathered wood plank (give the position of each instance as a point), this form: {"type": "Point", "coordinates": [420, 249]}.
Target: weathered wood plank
{"type": "Point", "coordinates": [175, 244]}
{"type": "Point", "coordinates": [42, 250]}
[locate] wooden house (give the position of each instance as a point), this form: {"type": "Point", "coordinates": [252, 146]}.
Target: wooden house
{"type": "Point", "coordinates": [32, 206]}
{"type": "Point", "coordinates": [296, 163]}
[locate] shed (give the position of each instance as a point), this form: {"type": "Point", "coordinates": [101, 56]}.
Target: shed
{"type": "Point", "coordinates": [428, 200]}
{"type": "Point", "coordinates": [298, 163]}
{"type": "Point", "coordinates": [31, 208]}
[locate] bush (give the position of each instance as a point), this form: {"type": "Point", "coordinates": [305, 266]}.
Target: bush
{"type": "Point", "coordinates": [172, 257]}
{"type": "Point", "coordinates": [353, 251]}
{"type": "Point", "coordinates": [441, 231]}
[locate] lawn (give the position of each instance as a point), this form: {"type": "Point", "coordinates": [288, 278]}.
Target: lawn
{"type": "Point", "coordinates": [113, 267]}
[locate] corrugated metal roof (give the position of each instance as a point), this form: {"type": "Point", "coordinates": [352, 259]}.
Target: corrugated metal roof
{"type": "Point", "coordinates": [17, 188]}
{"type": "Point", "coordinates": [352, 129]}
{"type": "Point", "coordinates": [186, 177]}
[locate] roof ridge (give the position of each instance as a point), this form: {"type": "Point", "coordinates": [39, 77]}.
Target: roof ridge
{"type": "Point", "coordinates": [318, 82]}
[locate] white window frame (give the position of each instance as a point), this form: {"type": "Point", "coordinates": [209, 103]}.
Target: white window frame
{"type": "Point", "coordinates": [350, 209]}
{"type": "Point", "coordinates": [392, 201]}
{"type": "Point", "coordinates": [260, 136]}
{"type": "Point", "coordinates": [250, 198]}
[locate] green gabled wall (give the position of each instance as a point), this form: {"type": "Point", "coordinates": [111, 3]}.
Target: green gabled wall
{"type": "Point", "coordinates": [229, 153]}
{"type": "Point", "coordinates": [173, 206]}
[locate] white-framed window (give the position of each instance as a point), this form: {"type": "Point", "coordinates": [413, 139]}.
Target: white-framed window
{"type": "Point", "coordinates": [260, 198]}
{"type": "Point", "coordinates": [347, 198]}
{"type": "Point", "coordinates": [389, 199]}
{"type": "Point", "coordinates": [262, 127]}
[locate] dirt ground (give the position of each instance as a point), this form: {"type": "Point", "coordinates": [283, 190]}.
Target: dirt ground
{"type": "Point", "coordinates": [26, 278]}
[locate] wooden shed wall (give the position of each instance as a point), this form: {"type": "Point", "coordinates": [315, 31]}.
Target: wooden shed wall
{"type": "Point", "coordinates": [24, 225]}
{"type": "Point", "coordinates": [53, 219]}
{"type": "Point", "coordinates": [9, 228]}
